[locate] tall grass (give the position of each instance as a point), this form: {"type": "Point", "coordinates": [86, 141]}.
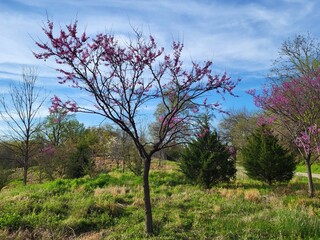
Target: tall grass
{"type": "Point", "coordinates": [110, 206]}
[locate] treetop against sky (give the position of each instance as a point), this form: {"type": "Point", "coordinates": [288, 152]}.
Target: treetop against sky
{"type": "Point", "coordinates": [240, 37]}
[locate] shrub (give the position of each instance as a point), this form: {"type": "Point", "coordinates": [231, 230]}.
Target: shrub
{"type": "Point", "coordinates": [135, 164]}
{"type": "Point", "coordinates": [265, 159]}
{"type": "Point", "coordinates": [4, 176]}
{"type": "Point", "coordinates": [80, 163]}
{"type": "Point", "coordinates": [206, 161]}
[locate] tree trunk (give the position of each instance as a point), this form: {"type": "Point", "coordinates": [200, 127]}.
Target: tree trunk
{"type": "Point", "coordinates": [26, 159]}
{"type": "Point", "coordinates": [123, 165]}
{"type": "Point", "coordinates": [147, 200]}
{"type": "Point", "coordinates": [310, 181]}
{"type": "Point", "coordinates": [25, 174]}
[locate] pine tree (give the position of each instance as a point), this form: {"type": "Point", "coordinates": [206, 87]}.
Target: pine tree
{"type": "Point", "coordinates": [265, 159]}
{"type": "Point", "coordinates": [206, 161]}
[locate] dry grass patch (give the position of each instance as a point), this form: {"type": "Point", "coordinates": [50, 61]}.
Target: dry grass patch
{"type": "Point", "coordinates": [252, 195]}
{"type": "Point", "coordinates": [230, 193]}
{"type": "Point", "coordinates": [217, 209]}
{"type": "Point", "coordinates": [113, 190]}
{"type": "Point", "coordinates": [91, 236]}
{"type": "Point", "coordinates": [273, 200]}
{"type": "Point", "coordinates": [138, 203]}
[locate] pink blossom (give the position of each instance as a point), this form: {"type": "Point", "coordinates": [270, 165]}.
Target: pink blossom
{"type": "Point", "coordinates": [195, 109]}
{"type": "Point", "coordinates": [48, 150]}
{"type": "Point", "coordinates": [120, 79]}
{"type": "Point", "coordinates": [203, 132]}
{"type": "Point", "coordinates": [264, 120]}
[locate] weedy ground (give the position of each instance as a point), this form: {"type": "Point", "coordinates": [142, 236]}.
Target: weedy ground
{"type": "Point", "coordinates": [110, 206]}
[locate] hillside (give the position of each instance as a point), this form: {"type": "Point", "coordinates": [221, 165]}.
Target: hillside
{"type": "Point", "coordinates": [110, 206]}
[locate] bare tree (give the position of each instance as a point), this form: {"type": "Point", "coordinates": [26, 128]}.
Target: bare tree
{"type": "Point", "coordinates": [20, 110]}
{"type": "Point", "coordinates": [235, 128]}
{"type": "Point", "coordinates": [297, 57]}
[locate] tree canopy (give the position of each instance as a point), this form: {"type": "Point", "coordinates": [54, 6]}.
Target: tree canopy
{"type": "Point", "coordinates": [122, 78]}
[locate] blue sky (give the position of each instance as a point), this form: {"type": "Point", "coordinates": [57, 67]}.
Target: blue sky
{"type": "Point", "coordinates": [241, 37]}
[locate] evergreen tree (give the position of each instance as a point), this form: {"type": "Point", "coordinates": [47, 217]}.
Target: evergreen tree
{"type": "Point", "coordinates": [265, 159]}
{"type": "Point", "coordinates": [206, 161]}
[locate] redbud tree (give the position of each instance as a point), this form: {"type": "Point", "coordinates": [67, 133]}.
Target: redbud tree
{"type": "Point", "coordinates": [295, 104]}
{"type": "Point", "coordinates": [121, 78]}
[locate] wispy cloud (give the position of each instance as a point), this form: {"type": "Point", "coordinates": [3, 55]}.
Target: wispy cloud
{"type": "Point", "coordinates": [241, 37]}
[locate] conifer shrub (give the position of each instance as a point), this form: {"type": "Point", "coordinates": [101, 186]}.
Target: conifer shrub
{"type": "Point", "coordinates": [80, 162]}
{"type": "Point", "coordinates": [265, 159]}
{"type": "Point", "coordinates": [206, 161]}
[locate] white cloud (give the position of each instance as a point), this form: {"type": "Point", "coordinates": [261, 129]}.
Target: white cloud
{"type": "Point", "coordinates": [241, 37]}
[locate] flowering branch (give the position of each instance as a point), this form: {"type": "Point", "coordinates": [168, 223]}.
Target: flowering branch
{"type": "Point", "coordinates": [122, 79]}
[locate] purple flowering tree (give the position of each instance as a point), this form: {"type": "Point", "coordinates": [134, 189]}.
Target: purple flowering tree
{"type": "Point", "coordinates": [122, 78]}
{"type": "Point", "coordinates": [295, 105]}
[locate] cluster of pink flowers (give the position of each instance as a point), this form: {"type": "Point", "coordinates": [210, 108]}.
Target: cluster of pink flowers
{"type": "Point", "coordinates": [48, 150]}
{"type": "Point", "coordinates": [307, 140]}
{"type": "Point", "coordinates": [265, 120]}
{"type": "Point", "coordinates": [296, 101]}
{"type": "Point", "coordinates": [122, 78]}
{"type": "Point", "coordinates": [203, 132]}
{"type": "Point", "coordinates": [293, 97]}
{"type": "Point", "coordinates": [64, 107]}
{"type": "Point", "coordinates": [171, 122]}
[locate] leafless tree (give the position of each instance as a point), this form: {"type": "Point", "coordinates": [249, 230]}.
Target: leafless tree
{"type": "Point", "coordinates": [298, 57]}
{"type": "Point", "coordinates": [20, 110]}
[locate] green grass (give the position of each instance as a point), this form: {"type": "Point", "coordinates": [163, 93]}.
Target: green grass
{"type": "Point", "coordinates": [110, 206]}
{"type": "Point", "coordinates": [315, 168]}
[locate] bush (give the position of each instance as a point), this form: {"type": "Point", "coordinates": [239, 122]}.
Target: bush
{"type": "Point", "coordinates": [206, 161]}
{"type": "Point", "coordinates": [265, 159]}
{"type": "Point", "coordinates": [80, 163]}
{"type": "Point", "coordinates": [135, 164]}
{"type": "Point", "coordinates": [4, 176]}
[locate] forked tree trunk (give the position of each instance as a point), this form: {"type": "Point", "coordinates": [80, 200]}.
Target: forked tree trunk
{"type": "Point", "coordinates": [147, 200]}
{"type": "Point", "coordinates": [310, 180]}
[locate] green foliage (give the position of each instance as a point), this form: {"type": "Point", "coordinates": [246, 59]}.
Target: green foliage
{"type": "Point", "coordinates": [123, 150]}
{"type": "Point", "coordinates": [4, 176]}
{"type": "Point", "coordinates": [315, 168]}
{"type": "Point", "coordinates": [7, 157]}
{"type": "Point", "coordinates": [110, 206]}
{"type": "Point", "coordinates": [236, 126]}
{"type": "Point", "coordinates": [265, 159]}
{"type": "Point", "coordinates": [135, 163]}
{"type": "Point", "coordinates": [79, 162]}
{"type": "Point", "coordinates": [68, 147]}
{"type": "Point", "coordinates": [206, 161]}
{"type": "Point", "coordinates": [173, 153]}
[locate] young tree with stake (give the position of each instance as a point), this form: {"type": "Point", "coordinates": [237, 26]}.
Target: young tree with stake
{"type": "Point", "coordinates": [122, 78]}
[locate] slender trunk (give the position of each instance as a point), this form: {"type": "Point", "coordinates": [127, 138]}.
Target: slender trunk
{"type": "Point", "coordinates": [26, 160]}
{"type": "Point", "coordinates": [40, 174]}
{"type": "Point", "coordinates": [123, 165]}
{"type": "Point", "coordinates": [147, 200]}
{"type": "Point", "coordinates": [25, 174]}
{"type": "Point", "coordinates": [310, 181]}
{"type": "Point", "coordinates": [118, 163]}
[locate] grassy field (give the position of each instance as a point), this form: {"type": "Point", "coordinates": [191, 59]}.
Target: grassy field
{"type": "Point", "coordinates": [315, 168]}
{"type": "Point", "coordinates": [110, 206]}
